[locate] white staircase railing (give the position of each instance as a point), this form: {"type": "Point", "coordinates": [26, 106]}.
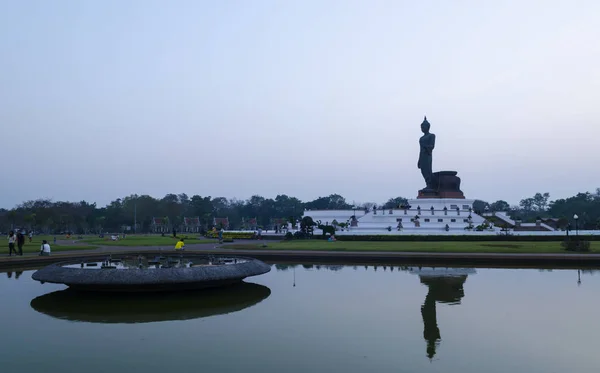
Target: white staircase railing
{"type": "Point", "coordinates": [504, 217]}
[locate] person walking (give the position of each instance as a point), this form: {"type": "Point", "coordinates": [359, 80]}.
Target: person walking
{"type": "Point", "coordinates": [45, 248]}
{"type": "Point", "coordinates": [20, 242]}
{"type": "Point", "coordinates": [220, 235]}
{"type": "Point", "coordinates": [12, 240]}
{"type": "Point", "coordinates": [30, 236]}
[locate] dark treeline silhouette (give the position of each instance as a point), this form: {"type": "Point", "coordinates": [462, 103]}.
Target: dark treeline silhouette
{"type": "Point", "coordinates": [585, 205]}
{"type": "Point", "coordinates": [83, 217]}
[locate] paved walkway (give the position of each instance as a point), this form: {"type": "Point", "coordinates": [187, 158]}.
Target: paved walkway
{"type": "Point", "coordinates": [95, 249]}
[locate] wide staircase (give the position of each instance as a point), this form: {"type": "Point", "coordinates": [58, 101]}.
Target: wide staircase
{"type": "Point", "coordinates": [501, 219]}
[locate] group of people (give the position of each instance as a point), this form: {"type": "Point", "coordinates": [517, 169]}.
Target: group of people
{"type": "Point", "coordinates": [180, 245]}
{"type": "Point", "coordinates": [17, 240]}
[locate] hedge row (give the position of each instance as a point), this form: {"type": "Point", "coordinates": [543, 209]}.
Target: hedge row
{"type": "Point", "coordinates": [244, 236]}
{"type": "Point", "coordinates": [234, 235]}
{"type": "Point", "coordinates": [459, 238]}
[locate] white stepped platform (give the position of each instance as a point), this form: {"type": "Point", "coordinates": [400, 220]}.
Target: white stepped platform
{"type": "Point", "coordinates": [433, 216]}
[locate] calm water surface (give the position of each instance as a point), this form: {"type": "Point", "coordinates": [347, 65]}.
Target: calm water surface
{"type": "Point", "coordinates": [313, 319]}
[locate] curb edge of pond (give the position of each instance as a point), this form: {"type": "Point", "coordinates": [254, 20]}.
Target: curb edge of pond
{"type": "Point", "coordinates": [491, 260]}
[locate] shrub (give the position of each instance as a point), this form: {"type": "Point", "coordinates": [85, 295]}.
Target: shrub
{"type": "Point", "coordinates": [575, 244]}
{"type": "Point", "coordinates": [232, 235]}
{"type": "Point", "coordinates": [299, 235]}
{"type": "Point", "coordinates": [289, 236]}
{"type": "Point", "coordinates": [458, 238]}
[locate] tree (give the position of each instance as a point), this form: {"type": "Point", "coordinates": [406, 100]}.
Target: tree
{"type": "Point", "coordinates": [100, 223]}
{"type": "Point", "coordinates": [81, 217]}
{"type": "Point", "coordinates": [332, 202]}
{"type": "Point", "coordinates": [585, 205]}
{"type": "Point", "coordinates": [500, 205]}
{"type": "Point", "coordinates": [540, 201]}
{"type": "Point", "coordinates": [479, 206]}
{"type": "Point", "coordinates": [394, 203]}
{"type": "Point", "coordinates": [30, 221]}
{"type": "Point", "coordinates": [12, 217]}
{"type": "Point", "coordinates": [526, 204]}
{"type": "Point", "coordinates": [562, 223]}
{"type": "Point", "coordinates": [172, 208]}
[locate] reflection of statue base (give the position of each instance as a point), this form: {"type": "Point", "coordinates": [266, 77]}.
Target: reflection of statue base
{"type": "Point", "coordinates": [443, 184]}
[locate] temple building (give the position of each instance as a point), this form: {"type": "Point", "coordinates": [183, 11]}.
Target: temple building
{"type": "Point", "coordinates": [250, 224]}
{"type": "Point", "coordinates": [221, 223]}
{"type": "Point", "coordinates": [191, 225]}
{"type": "Point", "coordinates": [159, 225]}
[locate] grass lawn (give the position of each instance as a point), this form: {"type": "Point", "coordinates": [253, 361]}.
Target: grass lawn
{"type": "Point", "coordinates": [34, 245]}
{"type": "Point", "coordinates": [450, 246]}
{"type": "Point", "coordinates": [146, 240]}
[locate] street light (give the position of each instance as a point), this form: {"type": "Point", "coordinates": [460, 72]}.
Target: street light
{"type": "Point", "coordinates": [135, 215]}
{"type": "Point", "coordinates": [576, 225]}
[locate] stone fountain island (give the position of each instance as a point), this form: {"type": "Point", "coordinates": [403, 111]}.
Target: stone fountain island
{"type": "Point", "coordinates": [143, 272]}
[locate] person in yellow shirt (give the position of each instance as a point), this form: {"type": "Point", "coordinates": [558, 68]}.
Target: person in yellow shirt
{"type": "Point", "coordinates": [180, 245]}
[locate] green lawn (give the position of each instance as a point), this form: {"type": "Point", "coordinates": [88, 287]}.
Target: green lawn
{"type": "Point", "coordinates": [34, 246]}
{"type": "Point", "coordinates": [146, 240]}
{"type": "Point", "coordinates": [458, 247]}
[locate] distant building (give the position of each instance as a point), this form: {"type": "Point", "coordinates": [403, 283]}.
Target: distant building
{"type": "Point", "coordinates": [191, 225]}
{"type": "Point", "coordinates": [160, 225]}
{"type": "Point", "coordinates": [279, 222]}
{"type": "Point", "coordinates": [250, 224]}
{"type": "Point", "coordinates": [218, 222]}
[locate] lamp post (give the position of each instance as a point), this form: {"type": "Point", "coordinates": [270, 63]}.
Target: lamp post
{"type": "Point", "coordinates": [576, 224]}
{"type": "Point", "coordinates": [135, 197]}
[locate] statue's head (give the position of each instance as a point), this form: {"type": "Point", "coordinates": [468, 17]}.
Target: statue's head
{"type": "Point", "coordinates": [425, 126]}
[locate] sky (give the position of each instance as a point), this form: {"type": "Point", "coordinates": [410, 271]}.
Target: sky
{"type": "Point", "coordinates": [103, 99]}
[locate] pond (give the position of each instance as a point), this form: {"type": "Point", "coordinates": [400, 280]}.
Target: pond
{"type": "Point", "coordinates": [313, 319]}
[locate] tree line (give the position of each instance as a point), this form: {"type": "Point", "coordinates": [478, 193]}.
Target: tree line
{"type": "Point", "coordinates": [84, 217]}
{"type": "Point", "coordinates": [584, 205]}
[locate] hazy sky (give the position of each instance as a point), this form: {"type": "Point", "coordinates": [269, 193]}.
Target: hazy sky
{"type": "Point", "coordinates": [102, 99]}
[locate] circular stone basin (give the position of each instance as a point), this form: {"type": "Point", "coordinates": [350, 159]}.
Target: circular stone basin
{"type": "Point", "coordinates": [130, 308]}
{"type": "Point", "coordinates": [147, 272]}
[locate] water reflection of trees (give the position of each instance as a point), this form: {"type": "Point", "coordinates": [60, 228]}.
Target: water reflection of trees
{"type": "Point", "coordinates": [285, 267]}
